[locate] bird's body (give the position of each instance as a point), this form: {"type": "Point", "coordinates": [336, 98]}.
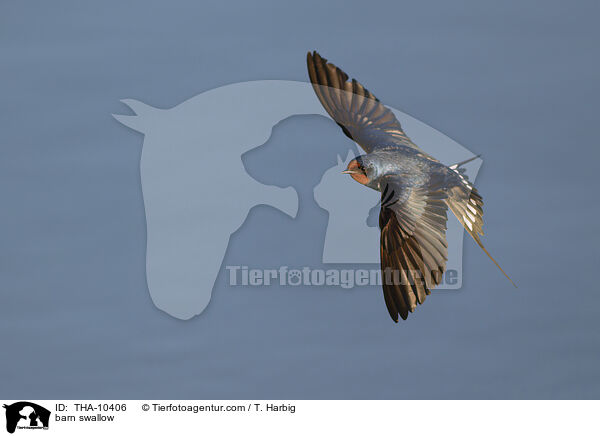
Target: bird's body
{"type": "Point", "coordinates": [412, 167]}
{"type": "Point", "coordinates": [416, 189]}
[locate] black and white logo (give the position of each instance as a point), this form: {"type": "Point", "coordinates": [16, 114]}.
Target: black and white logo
{"type": "Point", "coordinates": [26, 415]}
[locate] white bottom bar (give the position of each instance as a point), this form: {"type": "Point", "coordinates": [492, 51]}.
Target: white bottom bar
{"type": "Point", "coordinates": [310, 417]}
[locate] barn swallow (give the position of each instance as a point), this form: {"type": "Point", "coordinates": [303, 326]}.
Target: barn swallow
{"type": "Point", "coordinates": [416, 189]}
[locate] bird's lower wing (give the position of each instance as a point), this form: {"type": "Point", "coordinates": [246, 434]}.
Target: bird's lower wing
{"type": "Point", "coordinates": [413, 245]}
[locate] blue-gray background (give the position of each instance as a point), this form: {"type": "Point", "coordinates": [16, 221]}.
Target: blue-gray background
{"type": "Point", "coordinates": [516, 81]}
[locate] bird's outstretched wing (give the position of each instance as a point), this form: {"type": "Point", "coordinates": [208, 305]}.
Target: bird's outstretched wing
{"type": "Point", "coordinates": [413, 248]}
{"type": "Point", "coordinates": [358, 112]}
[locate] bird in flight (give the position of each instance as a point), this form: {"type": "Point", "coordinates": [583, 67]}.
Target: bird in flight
{"type": "Point", "coordinates": [416, 189]}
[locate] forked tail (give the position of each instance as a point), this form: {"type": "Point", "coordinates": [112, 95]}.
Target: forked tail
{"type": "Point", "coordinates": [490, 256]}
{"type": "Point", "coordinates": [467, 205]}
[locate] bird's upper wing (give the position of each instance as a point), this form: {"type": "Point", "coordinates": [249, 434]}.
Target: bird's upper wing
{"type": "Point", "coordinates": [358, 112]}
{"type": "Point", "coordinates": [413, 241]}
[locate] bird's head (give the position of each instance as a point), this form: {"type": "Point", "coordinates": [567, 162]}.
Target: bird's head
{"type": "Point", "coordinates": [358, 171]}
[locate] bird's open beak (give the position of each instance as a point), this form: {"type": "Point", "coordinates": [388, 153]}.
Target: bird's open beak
{"type": "Point", "coordinates": [349, 172]}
